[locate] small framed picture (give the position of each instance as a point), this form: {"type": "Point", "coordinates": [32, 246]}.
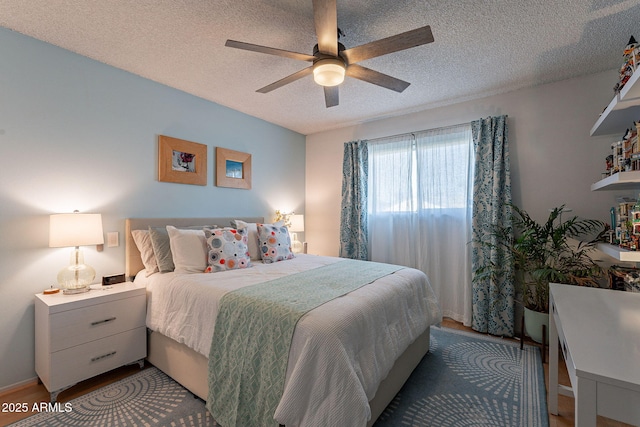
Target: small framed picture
{"type": "Point", "coordinates": [181, 161]}
{"type": "Point", "coordinates": [233, 169]}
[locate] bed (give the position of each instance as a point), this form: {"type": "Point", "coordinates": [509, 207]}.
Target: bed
{"type": "Point", "coordinates": [184, 357]}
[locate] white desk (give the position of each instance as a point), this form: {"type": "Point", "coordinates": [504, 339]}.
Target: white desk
{"type": "Point", "coordinates": [599, 333]}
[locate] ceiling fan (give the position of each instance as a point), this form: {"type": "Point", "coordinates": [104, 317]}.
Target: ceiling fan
{"type": "Point", "coordinates": [331, 61]}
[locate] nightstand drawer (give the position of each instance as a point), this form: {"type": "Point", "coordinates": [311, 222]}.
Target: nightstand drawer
{"type": "Point", "coordinates": [84, 361]}
{"type": "Point", "coordinates": [73, 327]}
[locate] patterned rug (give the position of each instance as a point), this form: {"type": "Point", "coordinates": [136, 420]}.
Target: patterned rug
{"type": "Point", "coordinates": [464, 380]}
{"type": "Point", "coordinates": [468, 379]}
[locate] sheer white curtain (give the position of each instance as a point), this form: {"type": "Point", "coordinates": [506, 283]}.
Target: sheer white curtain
{"type": "Point", "coordinates": [420, 194]}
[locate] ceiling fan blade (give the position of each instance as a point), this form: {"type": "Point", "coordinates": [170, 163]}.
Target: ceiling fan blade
{"type": "Point", "coordinates": [402, 41]}
{"type": "Point", "coordinates": [370, 76]}
{"type": "Point", "coordinates": [269, 50]}
{"type": "Point", "coordinates": [331, 96]}
{"type": "Point", "coordinates": [289, 79]}
{"type": "Point", "coordinates": [325, 16]}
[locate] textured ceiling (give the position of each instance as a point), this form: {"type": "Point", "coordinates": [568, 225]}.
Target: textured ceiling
{"type": "Point", "coordinates": [481, 48]}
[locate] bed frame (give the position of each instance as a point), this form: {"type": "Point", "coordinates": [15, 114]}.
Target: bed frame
{"type": "Point", "coordinates": [190, 368]}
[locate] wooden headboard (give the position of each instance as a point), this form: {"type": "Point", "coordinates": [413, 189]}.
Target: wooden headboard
{"type": "Point", "coordinates": [133, 262]}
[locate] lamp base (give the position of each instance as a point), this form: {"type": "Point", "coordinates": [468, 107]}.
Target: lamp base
{"type": "Point", "coordinates": [296, 247]}
{"type": "Point", "coordinates": [76, 278]}
{"type": "Point", "coordinates": [73, 291]}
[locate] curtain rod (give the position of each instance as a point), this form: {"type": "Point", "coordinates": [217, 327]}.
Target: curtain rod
{"type": "Point", "coordinates": [412, 133]}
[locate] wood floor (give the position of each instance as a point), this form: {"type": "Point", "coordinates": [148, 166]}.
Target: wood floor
{"type": "Point", "coordinates": [35, 393]}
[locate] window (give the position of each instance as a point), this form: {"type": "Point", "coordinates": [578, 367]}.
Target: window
{"type": "Point", "coordinates": [419, 201]}
{"type": "Point", "coordinates": [423, 171]}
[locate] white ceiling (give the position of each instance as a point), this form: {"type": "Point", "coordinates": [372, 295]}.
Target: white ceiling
{"type": "Point", "coordinates": [481, 48]}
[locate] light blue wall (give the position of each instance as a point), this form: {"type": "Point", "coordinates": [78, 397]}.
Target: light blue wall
{"type": "Point", "coordinates": [78, 134]}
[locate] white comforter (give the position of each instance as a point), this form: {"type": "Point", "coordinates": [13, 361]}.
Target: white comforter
{"type": "Point", "coordinates": [340, 352]}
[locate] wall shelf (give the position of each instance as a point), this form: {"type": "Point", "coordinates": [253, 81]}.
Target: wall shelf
{"type": "Point", "coordinates": [618, 181]}
{"type": "Point", "coordinates": [631, 90]}
{"type": "Point", "coordinates": [622, 111]}
{"type": "Point", "coordinates": [619, 253]}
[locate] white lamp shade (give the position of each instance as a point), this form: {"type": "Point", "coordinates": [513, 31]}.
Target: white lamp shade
{"type": "Point", "coordinates": [75, 229]}
{"type": "Point", "coordinates": [297, 223]}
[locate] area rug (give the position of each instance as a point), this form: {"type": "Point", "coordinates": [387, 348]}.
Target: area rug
{"type": "Point", "coordinates": [465, 380]}
{"type": "Point", "coordinates": [147, 398]}
{"type": "Point", "coordinates": [468, 379]}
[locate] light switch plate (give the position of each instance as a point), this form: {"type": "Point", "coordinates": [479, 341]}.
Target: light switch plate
{"type": "Point", "coordinates": [112, 239]}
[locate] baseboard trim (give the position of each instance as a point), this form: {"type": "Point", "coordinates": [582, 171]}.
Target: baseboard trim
{"type": "Point", "coordinates": [18, 386]}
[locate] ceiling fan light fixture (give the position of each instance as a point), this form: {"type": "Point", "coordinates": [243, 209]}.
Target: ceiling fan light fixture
{"type": "Point", "coordinates": [329, 72]}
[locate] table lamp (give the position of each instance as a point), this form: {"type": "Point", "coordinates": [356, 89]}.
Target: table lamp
{"type": "Point", "coordinates": [75, 230]}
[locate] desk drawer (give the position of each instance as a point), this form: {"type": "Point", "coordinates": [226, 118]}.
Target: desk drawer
{"type": "Point", "coordinates": [82, 325]}
{"type": "Point", "coordinates": [78, 363]}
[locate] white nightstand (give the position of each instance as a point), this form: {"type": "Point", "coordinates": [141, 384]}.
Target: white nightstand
{"type": "Point", "coordinates": [81, 336]}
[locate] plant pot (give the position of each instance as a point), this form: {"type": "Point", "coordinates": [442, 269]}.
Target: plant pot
{"type": "Point", "coordinates": [533, 321]}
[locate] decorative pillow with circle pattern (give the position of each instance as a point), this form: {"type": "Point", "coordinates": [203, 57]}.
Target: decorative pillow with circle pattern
{"type": "Point", "coordinates": [227, 249]}
{"type": "Point", "coordinates": [275, 244]}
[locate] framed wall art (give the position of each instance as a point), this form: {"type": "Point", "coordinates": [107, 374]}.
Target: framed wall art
{"type": "Point", "coordinates": [181, 161]}
{"type": "Point", "coordinates": [233, 169]}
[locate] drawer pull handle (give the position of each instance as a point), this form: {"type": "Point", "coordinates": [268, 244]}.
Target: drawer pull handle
{"type": "Point", "coordinates": [100, 322]}
{"type": "Point", "coordinates": [95, 359]}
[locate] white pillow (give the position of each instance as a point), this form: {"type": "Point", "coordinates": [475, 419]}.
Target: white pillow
{"type": "Point", "coordinates": [143, 242]}
{"type": "Point", "coordinates": [189, 250]}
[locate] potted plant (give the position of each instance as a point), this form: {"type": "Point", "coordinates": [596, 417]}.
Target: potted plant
{"type": "Point", "coordinates": [541, 253]}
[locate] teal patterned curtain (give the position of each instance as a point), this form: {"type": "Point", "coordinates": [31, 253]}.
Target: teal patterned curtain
{"type": "Point", "coordinates": [493, 298]}
{"type": "Point", "coordinates": [353, 216]}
